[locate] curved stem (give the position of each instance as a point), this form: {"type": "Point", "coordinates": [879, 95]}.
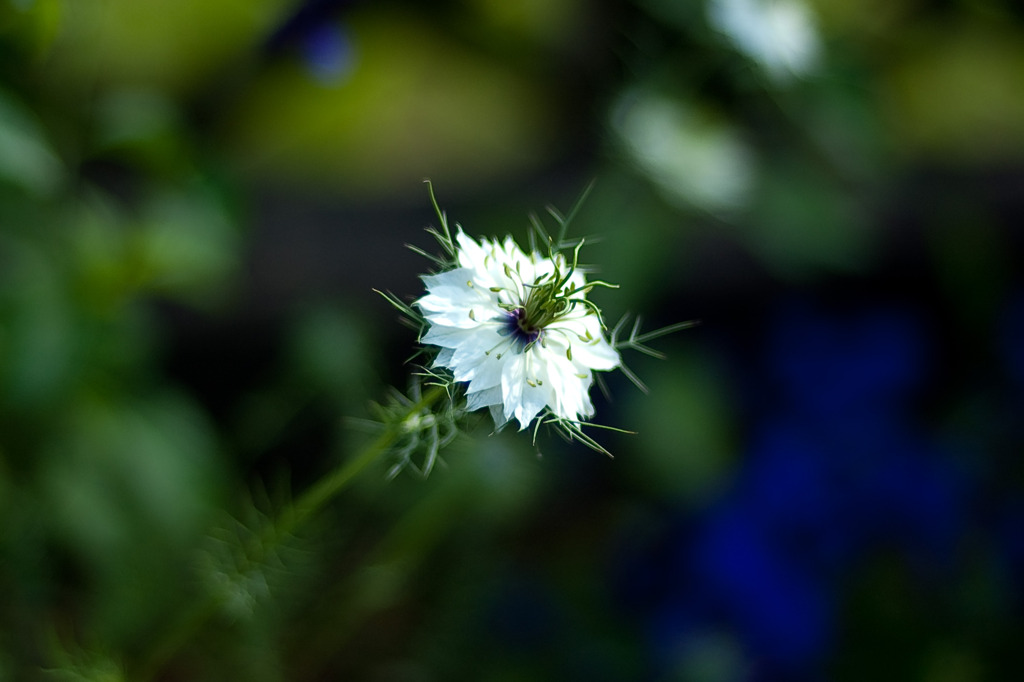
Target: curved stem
{"type": "Point", "coordinates": [291, 518]}
{"type": "Point", "coordinates": [333, 483]}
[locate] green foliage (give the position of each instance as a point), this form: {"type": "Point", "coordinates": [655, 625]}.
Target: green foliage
{"type": "Point", "coordinates": [146, 150]}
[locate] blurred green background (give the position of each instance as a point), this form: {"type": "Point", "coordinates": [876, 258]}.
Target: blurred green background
{"type": "Point", "coordinates": [197, 198]}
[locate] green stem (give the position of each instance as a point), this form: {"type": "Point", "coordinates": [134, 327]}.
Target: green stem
{"type": "Point", "coordinates": [333, 483]}
{"type": "Point", "coordinates": [290, 520]}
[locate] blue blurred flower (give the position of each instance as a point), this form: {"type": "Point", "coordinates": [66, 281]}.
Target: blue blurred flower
{"type": "Point", "coordinates": [829, 363]}
{"type": "Point", "coordinates": [837, 469]}
{"type": "Point", "coordinates": [778, 603]}
{"type": "Point", "coordinates": [328, 53]}
{"type": "Point", "coordinates": [315, 31]}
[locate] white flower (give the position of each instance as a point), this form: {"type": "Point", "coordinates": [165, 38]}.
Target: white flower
{"type": "Point", "coordinates": [780, 35]}
{"type": "Point", "coordinates": [519, 329]}
{"type": "Point", "coordinates": [693, 156]}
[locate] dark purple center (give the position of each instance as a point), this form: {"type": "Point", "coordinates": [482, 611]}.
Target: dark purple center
{"type": "Point", "coordinates": [518, 327]}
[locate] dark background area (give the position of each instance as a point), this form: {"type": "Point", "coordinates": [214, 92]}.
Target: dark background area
{"type": "Point", "coordinates": [197, 200]}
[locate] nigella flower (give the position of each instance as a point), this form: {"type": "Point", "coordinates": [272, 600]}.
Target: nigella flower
{"type": "Point", "coordinates": [515, 333]}
{"type": "Point", "coordinates": [519, 329]}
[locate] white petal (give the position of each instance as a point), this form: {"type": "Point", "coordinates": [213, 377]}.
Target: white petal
{"type": "Point", "coordinates": [498, 415]}
{"type": "Point", "coordinates": [456, 279]}
{"type": "Point", "coordinates": [485, 398]}
{"type": "Point", "coordinates": [521, 401]}
{"type": "Point", "coordinates": [470, 254]}
{"type": "Point", "coordinates": [534, 399]}
{"type": "Point", "coordinates": [483, 372]}
{"type": "Point", "coordinates": [444, 357]}
{"type": "Point", "coordinates": [568, 391]}
{"type": "Point", "coordinates": [595, 355]}
{"type": "Point", "coordinates": [449, 337]}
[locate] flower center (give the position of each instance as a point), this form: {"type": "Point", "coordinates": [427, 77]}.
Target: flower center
{"type": "Point", "coordinates": [535, 306]}
{"type": "Point", "coordinates": [520, 329]}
